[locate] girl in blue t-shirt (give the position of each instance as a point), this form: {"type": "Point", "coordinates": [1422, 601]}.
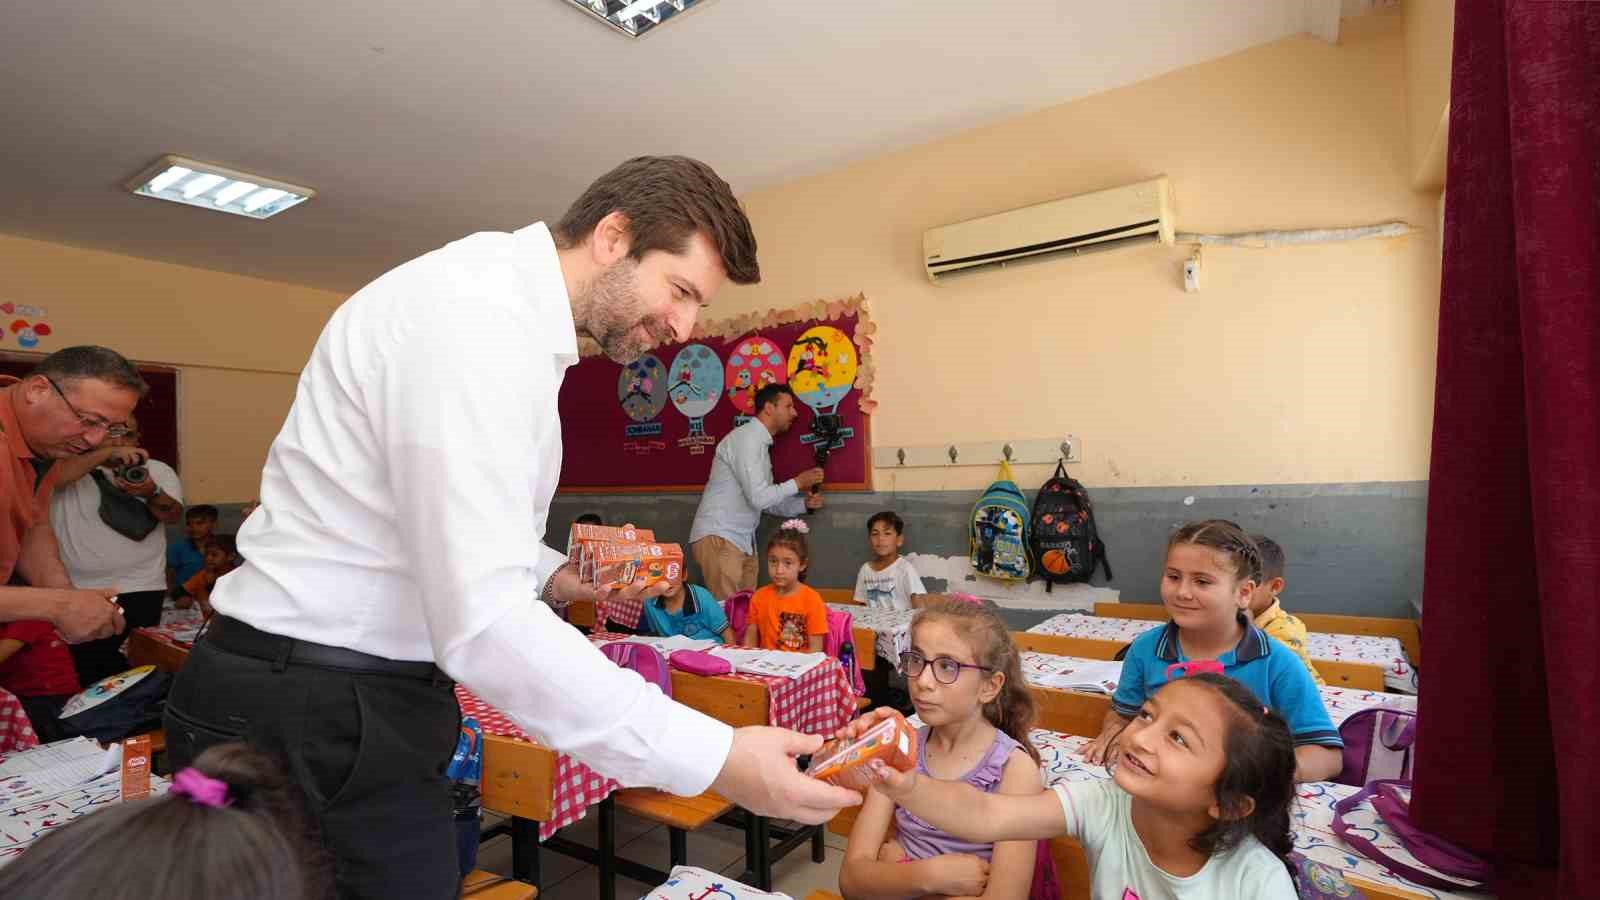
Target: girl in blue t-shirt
{"type": "Point", "coordinates": [689, 610]}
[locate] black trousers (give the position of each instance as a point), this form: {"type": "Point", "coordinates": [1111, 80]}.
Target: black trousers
{"type": "Point", "coordinates": [369, 751]}
{"type": "Point", "coordinates": [95, 660]}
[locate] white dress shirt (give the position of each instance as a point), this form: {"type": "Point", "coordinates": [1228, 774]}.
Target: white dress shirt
{"type": "Point", "coordinates": [403, 507]}
{"type": "Point", "coordinates": [98, 556]}
{"type": "Point", "coordinates": [741, 489]}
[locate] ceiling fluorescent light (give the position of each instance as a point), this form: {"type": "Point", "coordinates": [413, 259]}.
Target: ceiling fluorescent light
{"type": "Point", "coordinates": [209, 186]}
{"type": "Point", "coordinates": [635, 18]}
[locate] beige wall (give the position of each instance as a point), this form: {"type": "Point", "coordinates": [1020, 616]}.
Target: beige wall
{"type": "Point", "coordinates": [1430, 27]}
{"type": "Point", "coordinates": [1302, 365]}
{"type": "Point", "coordinates": [239, 343]}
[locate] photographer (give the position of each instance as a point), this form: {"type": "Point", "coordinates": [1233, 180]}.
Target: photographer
{"type": "Point", "coordinates": [740, 489]}
{"type": "Point", "coordinates": [109, 514]}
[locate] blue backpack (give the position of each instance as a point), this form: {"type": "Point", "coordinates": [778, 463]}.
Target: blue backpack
{"type": "Point", "coordinates": [1000, 531]}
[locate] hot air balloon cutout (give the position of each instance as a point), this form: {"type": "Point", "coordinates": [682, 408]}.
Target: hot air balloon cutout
{"type": "Point", "coordinates": [695, 388]}
{"type": "Point", "coordinates": [822, 370]}
{"type": "Point", "coordinates": [28, 333]}
{"type": "Point", "coordinates": [642, 391]}
{"type": "Point", "coordinates": [754, 363]}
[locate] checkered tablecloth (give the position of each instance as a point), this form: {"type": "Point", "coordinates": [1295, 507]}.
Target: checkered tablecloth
{"type": "Point", "coordinates": [1398, 673]}
{"type": "Point", "coordinates": [1311, 818]}
{"type": "Point", "coordinates": [1342, 703]}
{"type": "Point", "coordinates": [818, 702]}
{"type": "Point", "coordinates": [892, 627]}
{"type": "Point", "coordinates": [16, 732]}
{"type": "Point", "coordinates": [623, 612]}
{"type": "Point", "coordinates": [576, 787]}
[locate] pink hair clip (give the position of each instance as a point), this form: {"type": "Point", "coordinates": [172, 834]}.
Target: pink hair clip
{"type": "Point", "coordinates": [201, 788]}
{"type": "Point", "coordinates": [965, 598]}
{"type": "Point", "coordinates": [796, 525]}
{"type": "Point", "coordinates": [1194, 667]}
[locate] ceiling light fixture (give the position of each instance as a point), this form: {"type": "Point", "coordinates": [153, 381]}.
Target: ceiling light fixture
{"type": "Point", "coordinates": [635, 18]}
{"type": "Point", "coordinates": [208, 186]}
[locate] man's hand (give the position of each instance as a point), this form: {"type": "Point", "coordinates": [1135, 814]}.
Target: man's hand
{"type": "Point", "coordinates": [807, 479]}
{"type": "Point", "coordinates": [760, 775]}
{"type": "Point", "coordinates": [84, 615]}
{"type": "Point", "coordinates": [813, 501]}
{"type": "Point", "coordinates": [123, 456]}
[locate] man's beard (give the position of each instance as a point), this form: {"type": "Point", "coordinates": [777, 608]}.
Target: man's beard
{"type": "Point", "coordinates": [613, 313]}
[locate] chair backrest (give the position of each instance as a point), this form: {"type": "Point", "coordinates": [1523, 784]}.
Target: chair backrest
{"type": "Point", "coordinates": [737, 607]}
{"type": "Point", "coordinates": [841, 628]}
{"type": "Point", "coordinates": [641, 658]}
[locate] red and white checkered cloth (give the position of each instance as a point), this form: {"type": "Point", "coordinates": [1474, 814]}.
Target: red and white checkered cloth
{"type": "Point", "coordinates": [818, 702]}
{"type": "Point", "coordinates": [626, 613]}
{"type": "Point", "coordinates": [577, 787]}
{"type": "Point", "coordinates": [16, 732]}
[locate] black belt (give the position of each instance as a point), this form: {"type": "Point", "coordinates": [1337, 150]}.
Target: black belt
{"type": "Point", "coordinates": [235, 636]}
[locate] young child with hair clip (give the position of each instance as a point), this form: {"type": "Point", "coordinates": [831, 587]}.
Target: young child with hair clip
{"type": "Point", "coordinates": [1197, 806]}
{"type": "Point", "coordinates": [1212, 568]}
{"type": "Point", "coordinates": [965, 680]}
{"type": "Point", "coordinates": [229, 828]}
{"type": "Point", "coordinates": [787, 614]}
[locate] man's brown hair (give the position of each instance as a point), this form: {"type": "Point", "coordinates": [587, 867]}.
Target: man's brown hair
{"type": "Point", "coordinates": [667, 199]}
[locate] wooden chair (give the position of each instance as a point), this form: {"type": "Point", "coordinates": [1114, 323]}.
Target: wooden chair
{"type": "Point", "coordinates": [681, 815]}
{"type": "Point", "coordinates": [481, 885]}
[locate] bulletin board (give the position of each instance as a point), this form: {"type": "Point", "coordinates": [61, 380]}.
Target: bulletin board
{"type": "Point", "coordinates": [653, 425]}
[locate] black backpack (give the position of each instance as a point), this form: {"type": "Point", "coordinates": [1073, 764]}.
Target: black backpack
{"type": "Point", "coordinates": [1065, 543]}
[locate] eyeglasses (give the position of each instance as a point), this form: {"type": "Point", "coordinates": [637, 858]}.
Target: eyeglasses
{"type": "Point", "coordinates": [945, 669]}
{"type": "Point", "coordinates": [88, 421]}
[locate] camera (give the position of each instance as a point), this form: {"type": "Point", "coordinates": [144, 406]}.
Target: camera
{"type": "Point", "coordinates": [826, 428]}
{"type": "Point", "coordinates": [132, 473]}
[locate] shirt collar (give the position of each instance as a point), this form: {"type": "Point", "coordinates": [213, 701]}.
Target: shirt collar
{"type": "Point", "coordinates": [1252, 645]}
{"type": "Point", "coordinates": [760, 426]}
{"type": "Point", "coordinates": [8, 418]}
{"type": "Point", "coordinates": [1269, 614]}
{"type": "Point", "coordinates": [551, 285]}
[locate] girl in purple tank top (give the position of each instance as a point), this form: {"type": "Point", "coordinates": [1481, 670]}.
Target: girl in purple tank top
{"type": "Point", "coordinates": [965, 680]}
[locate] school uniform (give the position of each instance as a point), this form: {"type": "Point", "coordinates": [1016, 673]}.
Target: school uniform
{"type": "Point", "coordinates": [1269, 669]}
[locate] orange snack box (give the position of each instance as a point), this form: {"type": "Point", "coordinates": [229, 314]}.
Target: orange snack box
{"type": "Point", "coordinates": [892, 740]}
{"type": "Point", "coordinates": [583, 540]}
{"type": "Point", "coordinates": [136, 767]}
{"type": "Point", "coordinates": [619, 565]}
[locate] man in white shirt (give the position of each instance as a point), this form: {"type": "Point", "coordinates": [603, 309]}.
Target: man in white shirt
{"type": "Point", "coordinates": [398, 542]}
{"type": "Point", "coordinates": [99, 556]}
{"type": "Point", "coordinates": [740, 489]}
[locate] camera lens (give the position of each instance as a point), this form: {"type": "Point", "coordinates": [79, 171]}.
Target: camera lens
{"type": "Point", "coordinates": [135, 474]}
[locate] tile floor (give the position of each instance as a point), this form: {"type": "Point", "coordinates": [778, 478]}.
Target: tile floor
{"type": "Point", "coordinates": [717, 847]}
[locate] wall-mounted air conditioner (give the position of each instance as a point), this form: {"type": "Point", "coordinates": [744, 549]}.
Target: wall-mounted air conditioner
{"type": "Point", "coordinates": [1138, 213]}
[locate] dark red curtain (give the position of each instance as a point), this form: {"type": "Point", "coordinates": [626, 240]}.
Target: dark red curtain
{"type": "Point", "coordinates": [1510, 724]}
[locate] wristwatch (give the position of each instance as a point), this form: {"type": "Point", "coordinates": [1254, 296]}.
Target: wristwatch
{"type": "Point", "coordinates": [548, 593]}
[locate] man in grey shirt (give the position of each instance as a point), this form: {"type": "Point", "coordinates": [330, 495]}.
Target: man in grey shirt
{"type": "Point", "coordinates": [741, 489]}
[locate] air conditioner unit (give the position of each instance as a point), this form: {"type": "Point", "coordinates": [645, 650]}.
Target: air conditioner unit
{"type": "Point", "coordinates": [1135, 214]}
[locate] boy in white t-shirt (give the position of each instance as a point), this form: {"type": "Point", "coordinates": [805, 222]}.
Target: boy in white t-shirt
{"type": "Point", "coordinates": [888, 581]}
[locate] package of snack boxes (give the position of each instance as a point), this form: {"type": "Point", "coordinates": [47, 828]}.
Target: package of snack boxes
{"type": "Point", "coordinates": [584, 538]}
{"type": "Point", "coordinates": [892, 740]}
{"type": "Point", "coordinates": [618, 565]}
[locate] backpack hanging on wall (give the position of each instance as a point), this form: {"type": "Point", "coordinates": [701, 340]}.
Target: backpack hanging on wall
{"type": "Point", "coordinates": [1000, 530]}
{"type": "Point", "coordinates": [1063, 539]}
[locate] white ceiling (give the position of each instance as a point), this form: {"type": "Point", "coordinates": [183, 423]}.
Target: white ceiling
{"type": "Point", "coordinates": [421, 122]}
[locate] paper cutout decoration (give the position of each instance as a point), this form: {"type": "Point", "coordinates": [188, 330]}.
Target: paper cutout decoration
{"type": "Point", "coordinates": [642, 388]}
{"type": "Point", "coordinates": [755, 363]}
{"type": "Point", "coordinates": [822, 368]}
{"type": "Point", "coordinates": [695, 385]}
{"type": "Point", "coordinates": [27, 333]}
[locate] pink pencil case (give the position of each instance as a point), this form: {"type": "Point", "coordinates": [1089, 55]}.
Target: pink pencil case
{"type": "Point", "coordinates": [699, 662]}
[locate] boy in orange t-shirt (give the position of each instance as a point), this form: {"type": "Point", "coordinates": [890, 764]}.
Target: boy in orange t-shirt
{"type": "Point", "coordinates": [786, 614]}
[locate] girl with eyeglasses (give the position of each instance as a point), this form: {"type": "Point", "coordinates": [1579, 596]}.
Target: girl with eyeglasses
{"type": "Point", "coordinates": [965, 680]}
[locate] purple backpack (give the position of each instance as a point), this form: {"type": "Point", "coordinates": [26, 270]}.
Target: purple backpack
{"type": "Point", "coordinates": [1377, 744]}
{"type": "Point", "coordinates": [737, 606]}
{"type": "Point", "coordinates": [1394, 808]}
{"type": "Point", "coordinates": [841, 627]}
{"type": "Point", "coordinates": [642, 658]}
